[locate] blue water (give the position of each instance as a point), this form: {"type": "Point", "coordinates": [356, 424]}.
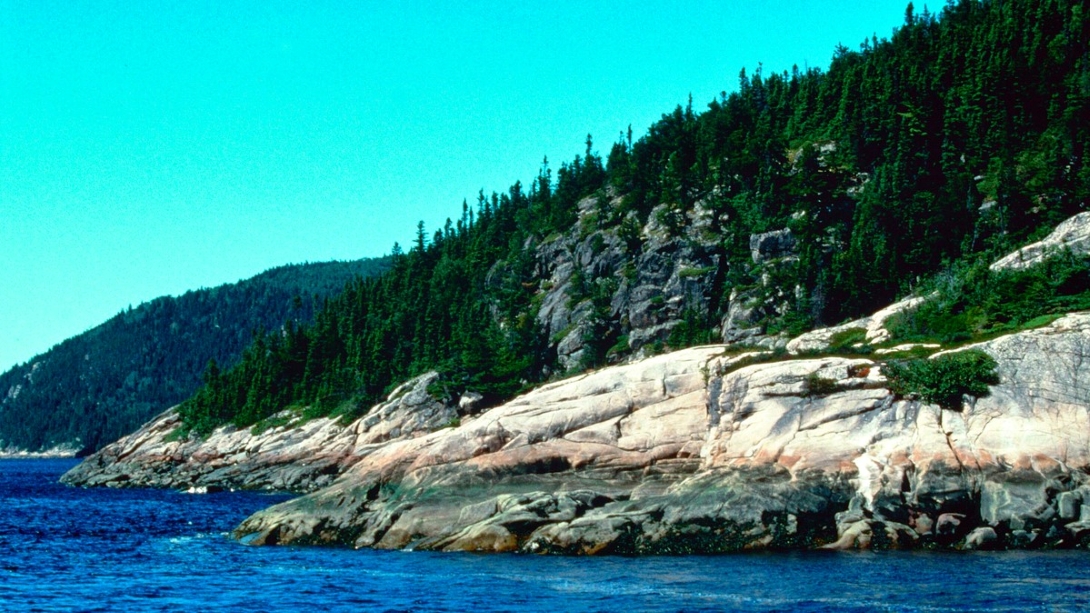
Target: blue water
{"type": "Point", "coordinates": [65, 549]}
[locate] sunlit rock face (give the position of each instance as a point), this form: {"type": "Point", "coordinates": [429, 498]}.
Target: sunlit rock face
{"type": "Point", "coordinates": [593, 277]}
{"type": "Point", "coordinates": [695, 451]}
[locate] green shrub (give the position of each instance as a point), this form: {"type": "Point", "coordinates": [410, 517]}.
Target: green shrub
{"type": "Point", "coordinates": [845, 340]}
{"type": "Point", "coordinates": [1040, 322]}
{"type": "Point", "coordinates": [944, 380]}
{"type": "Point", "coordinates": [273, 421]}
{"type": "Point", "coordinates": [972, 300]}
{"type": "Point", "coordinates": [620, 347]}
{"type": "Point", "coordinates": [816, 385]}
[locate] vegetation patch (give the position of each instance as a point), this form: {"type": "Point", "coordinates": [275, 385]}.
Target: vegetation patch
{"type": "Point", "coordinates": [846, 340]}
{"type": "Point", "coordinates": [620, 347]}
{"type": "Point", "coordinates": [693, 329]}
{"type": "Point", "coordinates": [816, 385]}
{"type": "Point", "coordinates": [180, 433]}
{"type": "Point", "coordinates": [281, 419]}
{"type": "Point", "coordinates": [944, 380]}
{"type": "Point", "coordinates": [973, 302]}
{"type": "Point", "coordinates": [1041, 321]}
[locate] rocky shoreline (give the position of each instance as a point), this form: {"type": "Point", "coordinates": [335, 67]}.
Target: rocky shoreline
{"type": "Point", "coordinates": [689, 452]}
{"type": "Point", "coordinates": [294, 457]}
{"type": "Point", "coordinates": [57, 452]}
{"type": "Point", "coordinates": [37, 455]}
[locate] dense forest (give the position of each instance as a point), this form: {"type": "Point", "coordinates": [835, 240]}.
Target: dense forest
{"type": "Point", "coordinates": [93, 388]}
{"type": "Point", "coordinates": [961, 136]}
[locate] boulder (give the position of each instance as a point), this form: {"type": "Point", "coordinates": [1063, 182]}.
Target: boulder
{"type": "Point", "coordinates": [873, 328]}
{"type": "Point", "coordinates": [983, 537]}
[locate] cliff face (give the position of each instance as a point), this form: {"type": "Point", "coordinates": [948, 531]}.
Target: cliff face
{"type": "Point", "coordinates": [613, 291]}
{"type": "Point", "coordinates": [601, 289]}
{"type": "Point", "coordinates": [688, 452]}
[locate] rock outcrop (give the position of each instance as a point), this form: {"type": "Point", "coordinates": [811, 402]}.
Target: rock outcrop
{"type": "Point", "coordinates": [749, 309]}
{"type": "Point", "coordinates": [696, 451]}
{"type": "Point", "coordinates": [291, 457]}
{"type": "Point", "coordinates": [872, 329]}
{"type": "Point", "coordinates": [1073, 234]}
{"type": "Point", "coordinates": [599, 283]}
{"type": "Point", "coordinates": [771, 245]}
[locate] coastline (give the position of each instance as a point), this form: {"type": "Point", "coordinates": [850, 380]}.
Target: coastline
{"type": "Point", "coordinates": [56, 453]}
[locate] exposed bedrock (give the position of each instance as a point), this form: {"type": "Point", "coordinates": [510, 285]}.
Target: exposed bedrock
{"type": "Point", "coordinates": [291, 457]}
{"type": "Point", "coordinates": [695, 451]}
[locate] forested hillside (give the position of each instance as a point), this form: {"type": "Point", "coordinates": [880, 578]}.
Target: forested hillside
{"type": "Point", "coordinates": [104, 383]}
{"type": "Point", "coordinates": [803, 198]}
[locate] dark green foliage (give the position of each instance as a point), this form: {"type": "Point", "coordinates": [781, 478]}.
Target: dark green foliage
{"type": "Point", "coordinates": [106, 382]}
{"type": "Point", "coordinates": [599, 334]}
{"type": "Point", "coordinates": [816, 385]}
{"type": "Point", "coordinates": [971, 300]}
{"type": "Point", "coordinates": [693, 329]}
{"type": "Point", "coordinates": [945, 379]}
{"type": "Point", "coordinates": [881, 164]}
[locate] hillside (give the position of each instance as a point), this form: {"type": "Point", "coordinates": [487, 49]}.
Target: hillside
{"type": "Point", "coordinates": [843, 309]}
{"type": "Point", "coordinates": [95, 387]}
{"type": "Point", "coordinates": [803, 199]}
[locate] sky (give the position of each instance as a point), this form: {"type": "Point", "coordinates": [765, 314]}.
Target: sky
{"type": "Point", "coordinates": [152, 147]}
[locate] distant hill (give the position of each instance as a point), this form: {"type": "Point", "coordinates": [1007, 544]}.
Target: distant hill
{"type": "Point", "coordinates": [93, 388]}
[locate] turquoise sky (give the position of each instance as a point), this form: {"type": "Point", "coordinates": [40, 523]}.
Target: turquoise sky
{"type": "Point", "coordinates": [148, 148]}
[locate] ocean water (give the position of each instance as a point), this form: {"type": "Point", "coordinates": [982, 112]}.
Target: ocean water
{"type": "Point", "coordinates": [66, 549]}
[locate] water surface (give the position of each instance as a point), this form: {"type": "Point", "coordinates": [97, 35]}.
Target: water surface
{"type": "Point", "coordinates": [68, 549]}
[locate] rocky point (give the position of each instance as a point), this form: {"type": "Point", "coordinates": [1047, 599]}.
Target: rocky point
{"type": "Point", "coordinates": [776, 444]}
